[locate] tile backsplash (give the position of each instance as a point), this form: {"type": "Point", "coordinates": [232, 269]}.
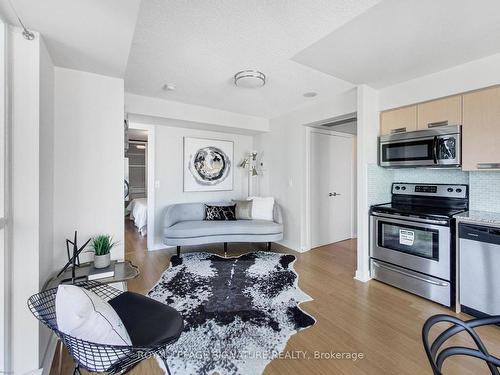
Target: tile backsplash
{"type": "Point", "coordinates": [485, 191]}
{"type": "Point", "coordinates": [484, 186]}
{"type": "Point", "coordinates": [431, 176]}
{"type": "Point", "coordinates": [379, 184]}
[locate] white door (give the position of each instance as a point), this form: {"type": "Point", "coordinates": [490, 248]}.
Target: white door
{"type": "Point", "coordinates": [332, 161]}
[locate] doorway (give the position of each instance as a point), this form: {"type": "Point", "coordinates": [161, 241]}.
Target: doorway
{"type": "Point", "coordinates": [332, 184]}
{"type": "Point", "coordinates": [139, 187]}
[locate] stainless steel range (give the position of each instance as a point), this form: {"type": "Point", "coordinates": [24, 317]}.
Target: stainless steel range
{"type": "Point", "coordinates": [412, 239]}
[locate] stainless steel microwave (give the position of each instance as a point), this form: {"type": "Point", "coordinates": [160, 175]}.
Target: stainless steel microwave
{"type": "Point", "coordinates": [435, 148]}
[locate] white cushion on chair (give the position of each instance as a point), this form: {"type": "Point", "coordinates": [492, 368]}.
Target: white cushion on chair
{"type": "Point", "coordinates": [262, 208]}
{"type": "Point", "coordinates": [83, 314]}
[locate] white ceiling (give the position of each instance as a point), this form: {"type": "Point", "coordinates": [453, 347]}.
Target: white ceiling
{"type": "Point", "coordinates": [398, 40]}
{"type": "Point", "coordinates": [88, 35]}
{"type": "Point", "coordinates": [199, 45]}
{"type": "Point", "coordinates": [326, 46]}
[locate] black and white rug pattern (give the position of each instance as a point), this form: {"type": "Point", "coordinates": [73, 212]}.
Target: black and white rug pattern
{"type": "Point", "coordinates": [238, 312]}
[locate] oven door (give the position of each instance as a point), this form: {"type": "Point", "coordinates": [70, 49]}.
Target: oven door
{"type": "Point", "coordinates": [408, 152]}
{"type": "Point", "coordinates": [420, 245]}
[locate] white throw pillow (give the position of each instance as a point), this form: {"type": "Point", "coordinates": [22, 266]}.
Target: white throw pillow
{"type": "Point", "coordinates": [84, 315]}
{"type": "Point", "coordinates": [262, 208]}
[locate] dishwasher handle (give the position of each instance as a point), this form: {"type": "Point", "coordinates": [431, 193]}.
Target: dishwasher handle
{"type": "Point", "coordinates": [479, 233]}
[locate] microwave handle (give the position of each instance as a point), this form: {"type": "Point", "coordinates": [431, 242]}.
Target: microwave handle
{"type": "Point", "coordinates": [435, 150]}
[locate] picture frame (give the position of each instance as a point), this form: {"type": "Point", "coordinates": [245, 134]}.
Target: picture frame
{"type": "Point", "coordinates": [208, 164]}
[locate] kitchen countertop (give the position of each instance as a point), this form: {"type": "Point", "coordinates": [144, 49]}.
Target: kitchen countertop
{"type": "Point", "coordinates": [479, 217]}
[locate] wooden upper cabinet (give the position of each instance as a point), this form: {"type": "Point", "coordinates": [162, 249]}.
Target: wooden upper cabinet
{"type": "Point", "coordinates": [441, 112]}
{"type": "Point", "coordinates": [398, 120]}
{"type": "Point", "coordinates": [481, 130]}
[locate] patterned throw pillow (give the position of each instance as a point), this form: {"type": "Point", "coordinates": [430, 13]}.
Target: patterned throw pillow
{"type": "Point", "coordinates": [221, 213]}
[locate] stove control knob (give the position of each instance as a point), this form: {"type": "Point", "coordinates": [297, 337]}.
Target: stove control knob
{"type": "Point", "coordinates": [403, 188]}
{"type": "Point", "coordinates": [450, 190]}
{"type": "Point", "coordinates": [397, 188]}
{"type": "Point", "coordinates": [458, 190]}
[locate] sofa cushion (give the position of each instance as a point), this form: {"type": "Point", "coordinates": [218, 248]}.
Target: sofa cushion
{"type": "Point", "coordinates": [148, 321]}
{"type": "Point", "coordinates": [187, 229]}
{"type": "Point", "coordinates": [243, 210]}
{"type": "Point", "coordinates": [262, 208]}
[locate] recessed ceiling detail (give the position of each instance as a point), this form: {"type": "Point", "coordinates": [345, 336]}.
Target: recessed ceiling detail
{"type": "Point", "coordinates": [396, 40]}
{"type": "Point", "coordinates": [310, 94]}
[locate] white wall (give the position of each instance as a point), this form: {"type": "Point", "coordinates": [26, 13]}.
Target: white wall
{"type": "Point", "coordinates": [215, 119]}
{"type": "Point", "coordinates": [30, 223]}
{"type": "Point", "coordinates": [368, 129]}
{"type": "Point", "coordinates": [169, 169]}
{"type": "Point", "coordinates": [24, 220]}
{"type": "Point", "coordinates": [470, 76]}
{"type": "Point", "coordinates": [285, 164]}
{"type": "Point", "coordinates": [88, 153]}
{"type": "Point", "coordinates": [4, 199]}
{"type": "Point", "coordinates": [46, 189]}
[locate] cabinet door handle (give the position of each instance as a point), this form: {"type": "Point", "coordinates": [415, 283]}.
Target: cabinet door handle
{"type": "Point", "coordinates": [398, 130]}
{"type": "Point", "coordinates": [488, 165]}
{"type": "Point", "coordinates": [437, 124]}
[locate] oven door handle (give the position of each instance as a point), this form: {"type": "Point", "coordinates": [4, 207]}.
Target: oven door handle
{"type": "Point", "coordinates": [410, 218]}
{"type": "Point", "coordinates": [420, 278]}
{"type": "Point", "coordinates": [435, 150]}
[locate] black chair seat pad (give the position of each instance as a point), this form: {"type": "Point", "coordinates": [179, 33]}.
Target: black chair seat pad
{"type": "Point", "coordinates": [148, 322]}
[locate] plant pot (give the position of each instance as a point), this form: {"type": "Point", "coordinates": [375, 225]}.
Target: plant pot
{"type": "Point", "coordinates": [102, 261]}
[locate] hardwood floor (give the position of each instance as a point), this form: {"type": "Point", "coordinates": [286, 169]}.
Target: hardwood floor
{"type": "Point", "coordinates": [381, 322]}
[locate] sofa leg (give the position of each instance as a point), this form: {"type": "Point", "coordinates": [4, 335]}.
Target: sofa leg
{"type": "Point", "coordinates": [178, 251]}
{"type": "Point", "coordinates": [225, 249]}
{"type": "Point", "coordinates": [269, 246]}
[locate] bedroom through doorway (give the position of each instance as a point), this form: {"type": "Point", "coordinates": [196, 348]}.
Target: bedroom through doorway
{"type": "Point", "coordinates": [136, 188]}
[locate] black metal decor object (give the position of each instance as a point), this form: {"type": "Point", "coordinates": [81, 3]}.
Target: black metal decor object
{"type": "Point", "coordinates": [437, 357]}
{"type": "Point", "coordinates": [74, 260]}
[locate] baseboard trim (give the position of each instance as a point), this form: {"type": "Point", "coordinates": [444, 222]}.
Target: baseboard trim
{"type": "Point", "coordinates": [48, 358]}
{"type": "Point", "coordinates": [160, 246]}
{"type": "Point", "coordinates": [362, 276]}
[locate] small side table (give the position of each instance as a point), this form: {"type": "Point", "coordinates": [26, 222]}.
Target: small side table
{"type": "Point", "coordinates": [124, 271]}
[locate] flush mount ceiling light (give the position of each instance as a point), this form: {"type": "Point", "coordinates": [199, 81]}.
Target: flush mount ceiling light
{"type": "Point", "coordinates": [250, 79]}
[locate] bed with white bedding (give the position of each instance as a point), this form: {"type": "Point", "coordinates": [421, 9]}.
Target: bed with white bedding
{"type": "Point", "coordinates": [138, 209]}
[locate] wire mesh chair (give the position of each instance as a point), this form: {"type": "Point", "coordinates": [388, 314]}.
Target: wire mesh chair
{"type": "Point", "coordinates": [437, 356]}
{"type": "Point", "coordinates": [91, 356]}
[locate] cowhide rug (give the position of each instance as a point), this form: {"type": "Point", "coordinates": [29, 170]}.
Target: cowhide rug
{"type": "Point", "coordinates": [238, 312]}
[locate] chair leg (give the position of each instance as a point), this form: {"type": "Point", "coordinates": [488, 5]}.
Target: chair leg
{"type": "Point", "coordinates": [269, 246]}
{"type": "Point", "coordinates": [59, 364]}
{"type": "Point", "coordinates": [225, 249]}
{"type": "Point", "coordinates": [166, 366]}
{"type": "Point", "coordinates": [178, 251]}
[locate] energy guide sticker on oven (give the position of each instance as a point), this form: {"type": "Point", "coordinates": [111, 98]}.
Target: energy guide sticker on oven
{"type": "Point", "coordinates": [406, 237]}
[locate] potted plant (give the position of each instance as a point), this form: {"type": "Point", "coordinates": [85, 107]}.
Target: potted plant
{"type": "Point", "coordinates": [102, 245]}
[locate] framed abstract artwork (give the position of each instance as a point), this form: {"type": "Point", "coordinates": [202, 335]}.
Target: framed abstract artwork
{"type": "Point", "coordinates": [208, 164]}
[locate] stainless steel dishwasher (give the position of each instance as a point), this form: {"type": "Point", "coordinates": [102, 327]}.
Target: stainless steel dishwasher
{"type": "Point", "coordinates": [479, 269]}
